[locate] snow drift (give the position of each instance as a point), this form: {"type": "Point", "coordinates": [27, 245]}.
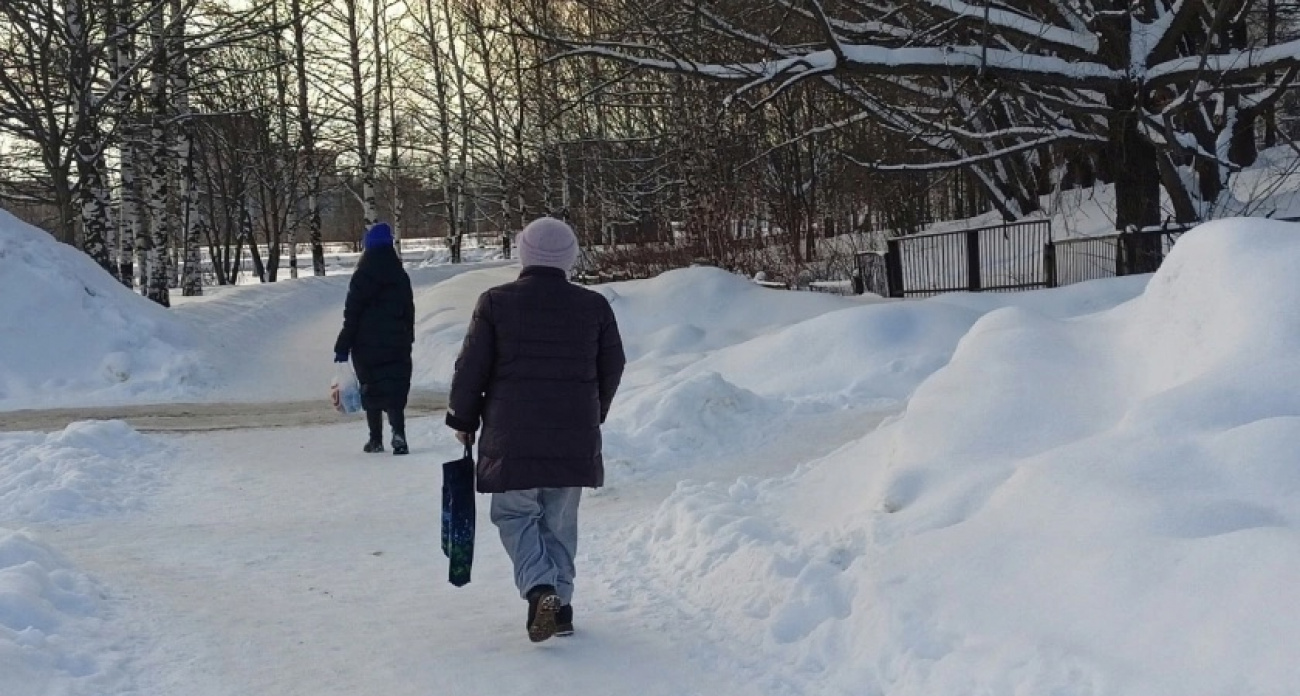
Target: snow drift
{"type": "Point", "coordinates": [88, 469]}
{"type": "Point", "coordinates": [49, 621]}
{"type": "Point", "coordinates": [55, 633]}
{"type": "Point", "coordinates": [1101, 504]}
{"type": "Point", "coordinates": [71, 335]}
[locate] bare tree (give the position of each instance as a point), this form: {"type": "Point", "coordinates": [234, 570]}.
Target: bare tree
{"type": "Point", "coordinates": [436, 48]}
{"type": "Point", "coordinates": [1163, 89]}
{"type": "Point", "coordinates": [307, 135]}
{"type": "Point", "coordinates": [358, 28]}
{"type": "Point", "coordinates": [61, 74]}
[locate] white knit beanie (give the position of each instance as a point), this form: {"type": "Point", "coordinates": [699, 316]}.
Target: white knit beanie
{"type": "Point", "coordinates": [547, 241]}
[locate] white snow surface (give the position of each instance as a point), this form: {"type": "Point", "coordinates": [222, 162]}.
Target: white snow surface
{"type": "Point", "coordinates": [1080, 492]}
{"type": "Point", "coordinates": [275, 341]}
{"type": "Point", "coordinates": [1103, 504]}
{"type": "Point", "coordinates": [72, 336]}
{"type": "Point", "coordinates": [70, 333]}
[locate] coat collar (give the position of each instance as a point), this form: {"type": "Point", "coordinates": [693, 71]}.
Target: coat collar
{"type": "Point", "coordinates": [543, 272]}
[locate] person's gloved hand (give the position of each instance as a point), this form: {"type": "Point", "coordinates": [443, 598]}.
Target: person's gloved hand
{"type": "Point", "coordinates": [341, 357]}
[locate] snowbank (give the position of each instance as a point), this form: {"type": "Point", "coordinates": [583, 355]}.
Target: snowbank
{"type": "Point", "coordinates": [687, 312]}
{"type": "Point", "coordinates": [275, 341]}
{"type": "Point", "coordinates": [748, 366]}
{"type": "Point", "coordinates": [719, 366]}
{"type": "Point", "coordinates": [54, 632]}
{"type": "Point", "coordinates": [1096, 504]}
{"type": "Point", "coordinates": [88, 469]}
{"type": "Point", "coordinates": [676, 407]}
{"type": "Point", "coordinates": [49, 617]}
{"type": "Point", "coordinates": [442, 314]}
{"type": "Point", "coordinates": [71, 335]}
{"type": "Point", "coordinates": [665, 322]}
{"type": "Point", "coordinates": [672, 407]}
{"type": "Point", "coordinates": [440, 256]}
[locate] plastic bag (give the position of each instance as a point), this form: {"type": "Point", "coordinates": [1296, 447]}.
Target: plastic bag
{"type": "Point", "coordinates": [345, 391]}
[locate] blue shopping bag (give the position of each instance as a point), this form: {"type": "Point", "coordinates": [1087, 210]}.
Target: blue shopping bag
{"type": "Point", "coordinates": [458, 517]}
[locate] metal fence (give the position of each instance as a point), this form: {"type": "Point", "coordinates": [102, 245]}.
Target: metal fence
{"type": "Point", "coordinates": [872, 274]}
{"type": "Point", "coordinates": [997, 258]}
{"type": "Point", "coordinates": [1077, 260]}
{"type": "Point", "coordinates": [1069, 261]}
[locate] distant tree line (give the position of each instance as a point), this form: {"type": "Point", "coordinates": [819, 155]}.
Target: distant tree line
{"type": "Point", "coordinates": [154, 131]}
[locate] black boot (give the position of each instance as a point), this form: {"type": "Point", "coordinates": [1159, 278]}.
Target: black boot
{"type": "Point", "coordinates": [399, 444]}
{"type": "Point", "coordinates": [375, 423]}
{"type": "Point", "coordinates": [543, 605]}
{"type": "Point", "coordinates": [564, 621]}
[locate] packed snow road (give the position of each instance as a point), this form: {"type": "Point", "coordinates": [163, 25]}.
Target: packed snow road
{"type": "Point", "coordinates": [202, 417]}
{"type": "Point", "coordinates": [285, 562]}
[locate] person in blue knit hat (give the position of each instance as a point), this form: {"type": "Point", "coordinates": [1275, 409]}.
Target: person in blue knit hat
{"type": "Point", "coordinates": [378, 334]}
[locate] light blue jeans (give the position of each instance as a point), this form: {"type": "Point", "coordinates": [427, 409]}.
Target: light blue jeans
{"type": "Point", "coordinates": [539, 528]}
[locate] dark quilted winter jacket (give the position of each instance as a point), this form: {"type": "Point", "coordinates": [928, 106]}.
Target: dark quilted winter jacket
{"type": "Point", "coordinates": [379, 328]}
{"type": "Point", "coordinates": [538, 370]}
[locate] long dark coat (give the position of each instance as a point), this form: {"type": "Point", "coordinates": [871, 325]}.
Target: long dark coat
{"type": "Point", "coordinates": [379, 329]}
{"type": "Point", "coordinates": [538, 370]}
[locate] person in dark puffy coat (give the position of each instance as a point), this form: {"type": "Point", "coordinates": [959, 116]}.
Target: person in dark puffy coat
{"type": "Point", "coordinates": [537, 372]}
{"type": "Point", "coordinates": [378, 333]}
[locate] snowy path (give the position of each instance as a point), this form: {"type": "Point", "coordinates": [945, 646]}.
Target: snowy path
{"type": "Point", "coordinates": [200, 417]}
{"type": "Point", "coordinates": [283, 562]}
{"type": "Point", "coordinates": [273, 558]}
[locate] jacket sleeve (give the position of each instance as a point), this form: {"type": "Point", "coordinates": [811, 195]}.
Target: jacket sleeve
{"type": "Point", "coordinates": [610, 359]}
{"type": "Point", "coordinates": [410, 314]}
{"type": "Point", "coordinates": [473, 369]}
{"type": "Point", "coordinates": [361, 289]}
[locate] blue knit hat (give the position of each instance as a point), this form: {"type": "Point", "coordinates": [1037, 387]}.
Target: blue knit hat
{"type": "Point", "coordinates": [379, 235]}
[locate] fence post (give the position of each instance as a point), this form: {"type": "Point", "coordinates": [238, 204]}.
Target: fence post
{"type": "Point", "coordinates": [894, 268]}
{"type": "Point", "coordinates": [1049, 264]}
{"type": "Point", "coordinates": [973, 260]}
{"type": "Point", "coordinates": [1148, 251]}
{"type": "Point", "coordinates": [1121, 255]}
{"type": "Point", "coordinates": [1138, 252]}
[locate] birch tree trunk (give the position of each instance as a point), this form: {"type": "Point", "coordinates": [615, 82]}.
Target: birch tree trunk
{"type": "Point", "coordinates": [93, 195]}
{"type": "Point", "coordinates": [130, 223]}
{"type": "Point", "coordinates": [307, 138]}
{"type": "Point", "coordinates": [246, 224]}
{"type": "Point", "coordinates": [462, 111]}
{"type": "Point", "coordinates": [157, 284]}
{"type": "Point", "coordinates": [368, 193]}
{"type": "Point", "coordinates": [365, 146]}
{"type": "Point", "coordinates": [139, 219]}
{"type": "Point", "coordinates": [394, 155]}
{"type": "Point", "coordinates": [433, 20]}
{"type": "Point", "coordinates": [287, 174]}
{"type": "Point", "coordinates": [517, 140]}
{"type": "Point", "coordinates": [191, 213]}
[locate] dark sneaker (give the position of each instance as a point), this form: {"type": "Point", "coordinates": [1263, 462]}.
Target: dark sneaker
{"type": "Point", "coordinates": [543, 605]}
{"type": "Point", "coordinates": [399, 445]}
{"type": "Point", "coordinates": [373, 446]}
{"type": "Point", "coordinates": [564, 621]}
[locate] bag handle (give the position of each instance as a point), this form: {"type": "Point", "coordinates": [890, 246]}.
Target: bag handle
{"type": "Point", "coordinates": [469, 451]}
